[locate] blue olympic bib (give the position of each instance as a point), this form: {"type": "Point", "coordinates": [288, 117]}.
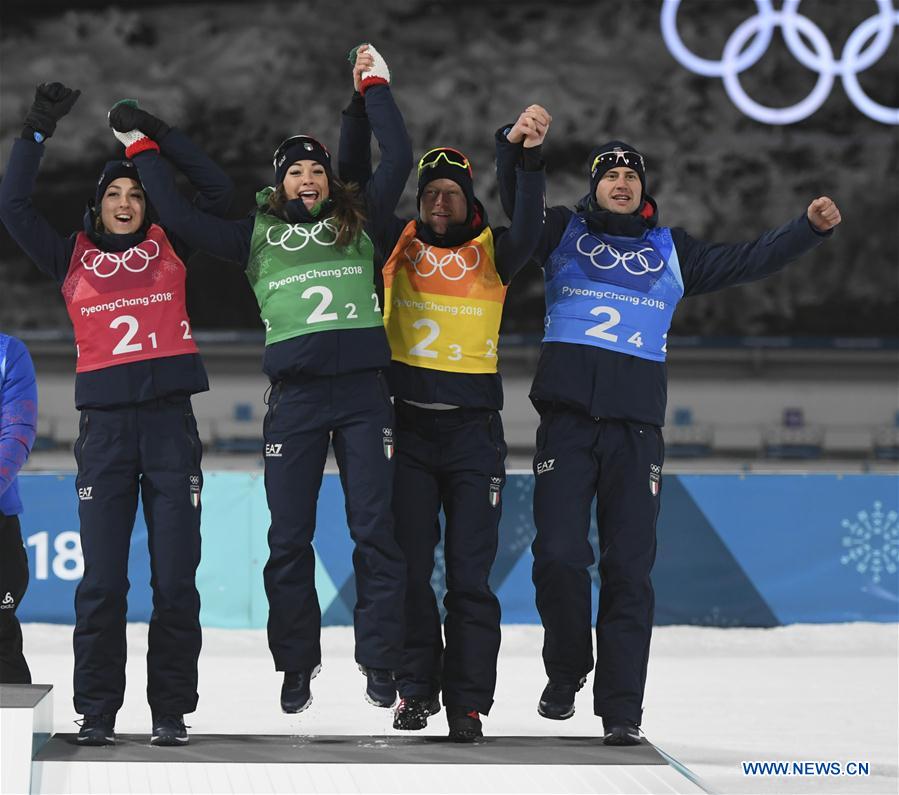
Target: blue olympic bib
{"type": "Point", "coordinates": [613, 292]}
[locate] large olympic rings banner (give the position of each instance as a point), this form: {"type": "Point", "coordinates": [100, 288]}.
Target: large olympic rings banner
{"type": "Point", "coordinates": [734, 550]}
{"type": "Point", "coordinates": [749, 42]}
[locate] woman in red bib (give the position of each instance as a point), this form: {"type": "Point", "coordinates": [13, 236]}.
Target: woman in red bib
{"type": "Point", "coordinates": [122, 278]}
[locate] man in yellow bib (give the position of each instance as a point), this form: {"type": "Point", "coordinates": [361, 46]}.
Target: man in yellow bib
{"type": "Point", "coordinates": [445, 279]}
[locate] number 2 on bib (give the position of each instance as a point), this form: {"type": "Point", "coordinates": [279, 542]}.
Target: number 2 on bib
{"type": "Point", "coordinates": [421, 348]}
{"type": "Point", "coordinates": [612, 319]}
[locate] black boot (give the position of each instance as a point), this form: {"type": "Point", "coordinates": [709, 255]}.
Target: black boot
{"type": "Point", "coordinates": [557, 699]}
{"type": "Point", "coordinates": [412, 713]}
{"type": "Point", "coordinates": [464, 724]}
{"type": "Point", "coordinates": [295, 692]}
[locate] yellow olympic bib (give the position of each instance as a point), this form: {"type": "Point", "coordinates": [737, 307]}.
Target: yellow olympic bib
{"type": "Point", "coordinates": [443, 306]}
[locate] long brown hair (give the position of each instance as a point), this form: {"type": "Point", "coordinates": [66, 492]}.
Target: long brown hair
{"type": "Point", "coordinates": [349, 209]}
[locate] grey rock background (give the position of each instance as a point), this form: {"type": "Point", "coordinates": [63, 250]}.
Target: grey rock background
{"type": "Point", "coordinates": [239, 77]}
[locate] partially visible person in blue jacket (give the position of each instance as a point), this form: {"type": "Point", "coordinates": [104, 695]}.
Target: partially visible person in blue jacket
{"type": "Point", "coordinates": [122, 278]}
{"type": "Point", "coordinates": [18, 421]}
{"type": "Point", "coordinates": [613, 278]}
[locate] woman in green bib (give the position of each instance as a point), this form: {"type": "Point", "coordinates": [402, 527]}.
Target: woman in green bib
{"type": "Point", "coordinates": [309, 260]}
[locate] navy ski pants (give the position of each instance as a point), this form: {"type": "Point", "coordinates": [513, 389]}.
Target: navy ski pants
{"type": "Point", "coordinates": [452, 459]}
{"type": "Point", "coordinates": [353, 412]}
{"type": "Point", "coordinates": [13, 582]}
{"type": "Point", "coordinates": [618, 463]}
{"type": "Point", "coordinates": [152, 448]}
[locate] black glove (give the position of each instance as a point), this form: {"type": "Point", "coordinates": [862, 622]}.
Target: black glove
{"type": "Point", "coordinates": [125, 117]}
{"type": "Point", "coordinates": [52, 101]}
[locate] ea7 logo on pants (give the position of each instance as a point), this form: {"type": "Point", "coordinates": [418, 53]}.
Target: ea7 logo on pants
{"type": "Point", "coordinates": [85, 493]}
{"type": "Point", "coordinates": [546, 466]}
{"type": "Point", "coordinates": [273, 451]}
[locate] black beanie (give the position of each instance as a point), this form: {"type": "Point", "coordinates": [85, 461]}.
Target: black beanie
{"type": "Point", "coordinates": [113, 170]}
{"type": "Point", "coordinates": [608, 156]}
{"type": "Point", "coordinates": [299, 147]}
{"type": "Point", "coordinates": [447, 163]}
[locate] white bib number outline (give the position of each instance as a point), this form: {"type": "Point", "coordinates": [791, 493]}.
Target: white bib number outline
{"type": "Point", "coordinates": [421, 348]}
{"type": "Point", "coordinates": [125, 345]}
{"type": "Point", "coordinates": [599, 330]}
{"type": "Point", "coordinates": [613, 318]}
{"type": "Point", "coordinates": [318, 315]}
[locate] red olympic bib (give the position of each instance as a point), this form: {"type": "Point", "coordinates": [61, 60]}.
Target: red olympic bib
{"type": "Point", "coordinates": [127, 306]}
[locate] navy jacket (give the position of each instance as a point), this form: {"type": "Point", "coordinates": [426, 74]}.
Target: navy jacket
{"type": "Point", "coordinates": [325, 352]}
{"type": "Point", "coordinates": [18, 418]}
{"type": "Point", "coordinates": [135, 382]}
{"type": "Point", "coordinates": [513, 247]}
{"type": "Point", "coordinates": [611, 385]}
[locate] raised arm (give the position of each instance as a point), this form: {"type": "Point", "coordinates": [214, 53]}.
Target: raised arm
{"type": "Point", "coordinates": [386, 185]}
{"type": "Point", "coordinates": [519, 153]}
{"type": "Point", "coordinates": [228, 240]}
{"type": "Point", "coordinates": [18, 409]}
{"type": "Point", "coordinates": [516, 245]}
{"type": "Point", "coordinates": [354, 148]}
{"type": "Point", "coordinates": [214, 188]}
{"type": "Point", "coordinates": [354, 157]}
{"type": "Point", "coordinates": [712, 266]}
{"type": "Point", "coordinates": [31, 231]}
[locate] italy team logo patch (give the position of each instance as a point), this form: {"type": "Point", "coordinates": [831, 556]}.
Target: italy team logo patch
{"type": "Point", "coordinates": [388, 442]}
{"type": "Point", "coordinates": [494, 493]}
{"type": "Point", "coordinates": [655, 478]}
{"type": "Point", "coordinates": [195, 490]}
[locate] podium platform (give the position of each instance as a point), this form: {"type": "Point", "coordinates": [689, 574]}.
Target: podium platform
{"type": "Point", "coordinates": [26, 723]}
{"type": "Point", "coordinates": [357, 764]}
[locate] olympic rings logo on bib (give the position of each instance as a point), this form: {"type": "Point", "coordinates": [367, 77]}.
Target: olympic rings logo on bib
{"type": "Point", "coordinates": [634, 262]}
{"type": "Point", "coordinates": [95, 260]}
{"type": "Point", "coordinates": [749, 42]}
{"type": "Point", "coordinates": [452, 266]}
{"type": "Point", "coordinates": [289, 232]}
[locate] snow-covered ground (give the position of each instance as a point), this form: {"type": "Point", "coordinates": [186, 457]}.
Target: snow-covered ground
{"type": "Point", "coordinates": [715, 697]}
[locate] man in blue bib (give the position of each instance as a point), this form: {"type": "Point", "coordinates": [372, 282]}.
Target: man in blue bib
{"type": "Point", "coordinates": [613, 278]}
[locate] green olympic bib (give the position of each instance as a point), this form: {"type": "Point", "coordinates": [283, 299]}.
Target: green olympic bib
{"type": "Point", "coordinates": [304, 284]}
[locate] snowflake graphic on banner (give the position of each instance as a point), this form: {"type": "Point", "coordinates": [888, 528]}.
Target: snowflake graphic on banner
{"type": "Point", "coordinates": [872, 542]}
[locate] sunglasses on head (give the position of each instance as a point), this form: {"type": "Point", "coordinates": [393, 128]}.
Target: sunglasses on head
{"type": "Point", "coordinates": [450, 156]}
{"type": "Point", "coordinates": [311, 144]}
{"type": "Point", "coordinates": [632, 160]}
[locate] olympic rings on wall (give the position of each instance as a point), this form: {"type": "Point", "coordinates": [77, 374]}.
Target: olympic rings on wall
{"type": "Point", "coordinates": [754, 34]}
{"type": "Point", "coordinates": [95, 260]}
{"type": "Point", "coordinates": [456, 259]}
